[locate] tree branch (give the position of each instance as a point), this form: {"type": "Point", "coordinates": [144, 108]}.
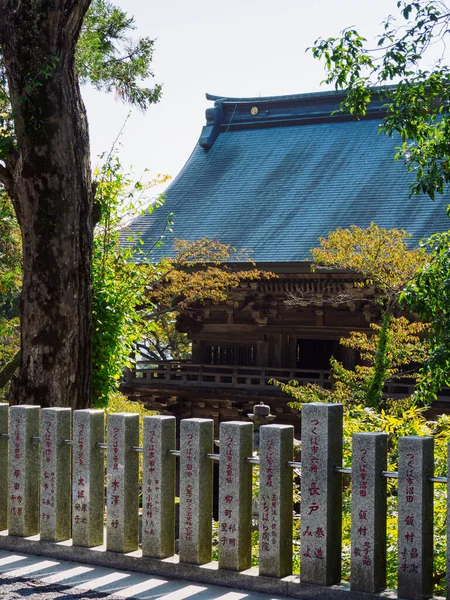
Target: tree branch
{"type": "Point", "coordinates": [74, 11]}
{"type": "Point", "coordinates": [6, 179]}
{"type": "Point", "coordinates": [9, 369]}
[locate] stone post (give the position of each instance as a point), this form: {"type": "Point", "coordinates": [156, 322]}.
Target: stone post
{"type": "Point", "coordinates": [158, 487]}
{"type": "Point", "coordinates": [235, 496]}
{"type": "Point", "coordinates": [415, 517]}
{"type": "Point", "coordinates": [4, 417]}
{"type": "Point", "coordinates": [196, 487]}
{"type": "Point", "coordinates": [88, 478]}
{"type": "Point", "coordinates": [55, 513]}
{"type": "Point", "coordinates": [276, 447]}
{"type": "Point", "coordinates": [122, 484]}
{"type": "Point", "coordinates": [368, 551]}
{"type": "Point", "coordinates": [23, 480]}
{"type": "Point", "coordinates": [321, 511]}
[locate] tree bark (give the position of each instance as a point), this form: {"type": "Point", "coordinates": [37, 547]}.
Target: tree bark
{"type": "Point", "coordinates": [51, 194]}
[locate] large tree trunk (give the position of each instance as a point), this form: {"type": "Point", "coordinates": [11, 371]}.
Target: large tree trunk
{"type": "Point", "coordinates": [49, 182]}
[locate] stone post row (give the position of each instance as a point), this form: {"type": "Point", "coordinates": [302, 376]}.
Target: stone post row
{"type": "Point", "coordinates": [50, 511]}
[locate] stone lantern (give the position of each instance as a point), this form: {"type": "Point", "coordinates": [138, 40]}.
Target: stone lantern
{"type": "Point", "coordinates": [260, 416]}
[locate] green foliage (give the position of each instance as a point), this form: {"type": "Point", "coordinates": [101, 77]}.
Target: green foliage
{"type": "Point", "coordinates": [120, 284]}
{"type": "Point", "coordinates": [395, 346]}
{"type": "Point", "coordinates": [196, 274]}
{"type": "Point", "coordinates": [429, 295]}
{"type": "Point", "coordinates": [417, 108]}
{"type": "Point", "coordinates": [7, 138]}
{"type": "Point", "coordinates": [384, 263]}
{"type": "Point", "coordinates": [135, 300]}
{"type": "Point", "coordinates": [9, 347]}
{"type": "Point", "coordinates": [351, 386]}
{"type": "Point", "coordinates": [110, 60]}
{"type": "Point", "coordinates": [121, 404]}
{"type": "Point", "coordinates": [10, 284]}
{"type": "Point", "coordinates": [199, 272]}
{"type": "Point", "coordinates": [380, 366]}
{"type": "Point", "coordinates": [161, 341]}
{"type": "Point", "coordinates": [10, 250]}
{"type": "Point", "coordinates": [381, 258]}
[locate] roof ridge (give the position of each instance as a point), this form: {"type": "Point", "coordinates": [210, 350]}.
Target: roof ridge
{"type": "Point", "coordinates": [214, 97]}
{"type": "Point", "coordinates": [275, 111]}
{"type": "Point", "coordinates": [303, 95]}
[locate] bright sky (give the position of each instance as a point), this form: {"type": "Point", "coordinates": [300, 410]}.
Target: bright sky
{"type": "Point", "coordinates": [235, 48]}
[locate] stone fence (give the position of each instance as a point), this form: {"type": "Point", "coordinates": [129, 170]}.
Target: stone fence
{"type": "Point", "coordinates": [52, 499]}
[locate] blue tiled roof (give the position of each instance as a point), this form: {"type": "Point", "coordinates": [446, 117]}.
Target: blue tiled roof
{"type": "Point", "coordinates": [275, 181]}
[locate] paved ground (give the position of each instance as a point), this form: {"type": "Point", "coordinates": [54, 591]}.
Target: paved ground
{"type": "Point", "coordinates": [37, 578]}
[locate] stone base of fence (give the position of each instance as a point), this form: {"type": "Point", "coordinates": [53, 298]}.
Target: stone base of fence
{"type": "Point", "coordinates": [208, 573]}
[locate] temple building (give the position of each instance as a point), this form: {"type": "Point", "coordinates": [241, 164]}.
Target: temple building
{"type": "Point", "coordinates": [271, 176]}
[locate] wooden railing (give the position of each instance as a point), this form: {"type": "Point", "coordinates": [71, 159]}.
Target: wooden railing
{"type": "Point", "coordinates": [187, 374]}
